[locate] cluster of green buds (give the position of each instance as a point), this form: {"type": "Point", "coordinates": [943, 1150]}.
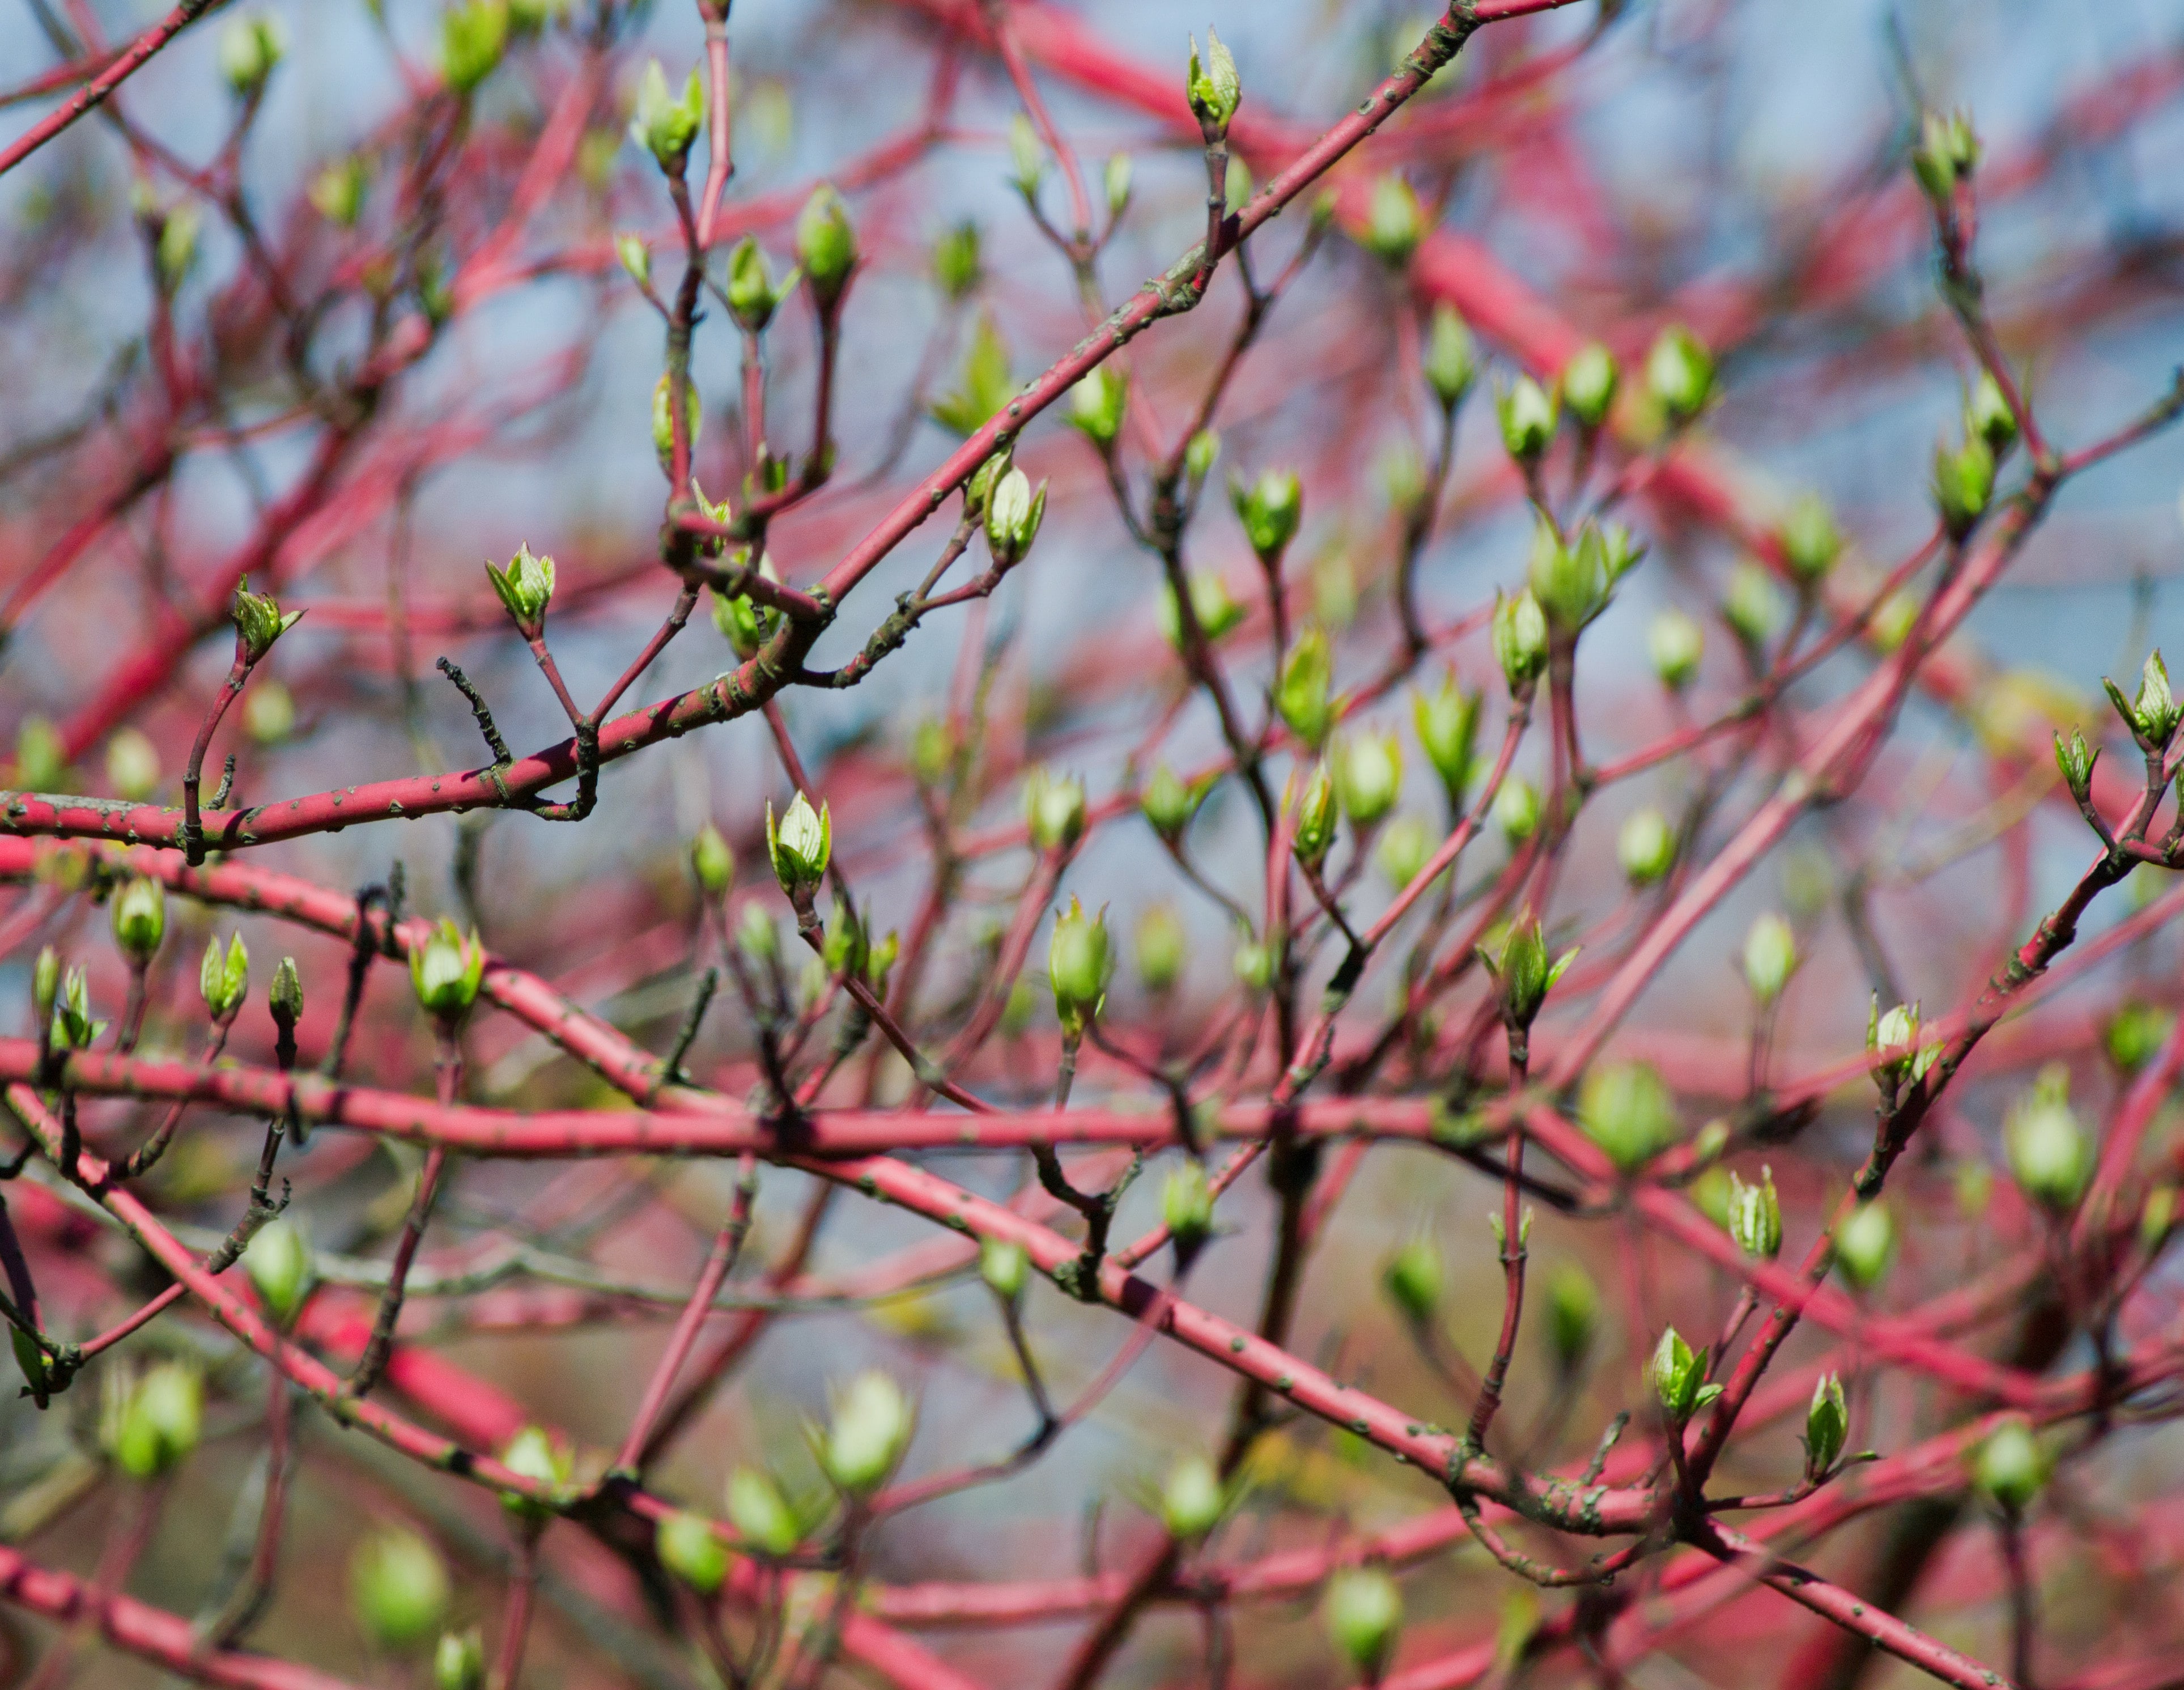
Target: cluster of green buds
{"type": "Point", "coordinates": [1369, 777]}
{"type": "Point", "coordinates": [1947, 152]}
{"type": "Point", "coordinates": [1520, 640]}
{"type": "Point", "coordinates": [2152, 716]}
{"type": "Point", "coordinates": [1162, 948]}
{"type": "Point", "coordinates": [473, 36]}
{"type": "Point", "coordinates": [1187, 1211]}
{"type": "Point", "coordinates": [1866, 1244]}
{"type": "Point", "coordinates": [1213, 87]}
{"type": "Point", "coordinates": [1626, 1109]}
{"type": "Point", "coordinates": [139, 918]}
{"type": "Point", "coordinates": [1810, 541]}
{"type": "Point", "coordinates": [1303, 694]}
{"type": "Point", "coordinates": [1212, 608]}
{"type": "Point", "coordinates": [1395, 222]}
{"type": "Point", "coordinates": [1076, 964]}
{"type": "Point", "coordinates": [458, 1660]}
{"type": "Point", "coordinates": [1014, 511]}
{"type": "Point", "coordinates": [445, 970]}
{"type": "Point", "coordinates": [524, 588]}
{"type": "Point", "coordinates": [1169, 804]}
{"type": "Point", "coordinates": [1527, 413]}
{"type": "Point", "coordinates": [249, 49]}
{"type": "Point", "coordinates": [1097, 405]}
{"type": "Point", "coordinates": [688, 1548]}
{"type": "Point", "coordinates": [1446, 722]}
{"type": "Point", "coordinates": [1645, 847]}
{"type": "Point", "coordinates": [1770, 957]}
{"type": "Point", "coordinates": [1678, 374]}
{"type": "Point", "coordinates": [2051, 1157]}
{"type": "Point", "coordinates": [1451, 358]}
{"type": "Point", "coordinates": [1364, 1613]}
{"type": "Point", "coordinates": [1414, 1279]}
{"type": "Point", "coordinates": [1004, 1265]}
{"type": "Point", "coordinates": [753, 293]}
{"type": "Point", "coordinates": [762, 1516]}
{"type": "Point", "coordinates": [869, 1429]}
{"type": "Point", "coordinates": [826, 247]}
{"type": "Point", "coordinates": [1827, 1427]}
{"type": "Point", "coordinates": [398, 1588]}
{"type": "Point", "coordinates": [1589, 381]}
{"type": "Point", "coordinates": [1054, 809]}
{"type": "Point", "coordinates": [1678, 1376]}
{"type": "Point", "coordinates": [800, 847]}
{"type": "Point", "coordinates": [1192, 1499]}
{"type": "Point", "coordinates": [663, 125]}
{"type": "Point", "coordinates": [712, 862]}
{"type": "Point", "coordinates": [1270, 509]}
{"type": "Point", "coordinates": [150, 1423]}
{"type": "Point", "coordinates": [223, 977]}
{"type": "Point", "coordinates": [1523, 977]}
{"type": "Point", "coordinates": [278, 1260]}
{"type": "Point", "coordinates": [1755, 1217]}
{"type": "Point", "coordinates": [1963, 484]}
{"type": "Point", "coordinates": [1311, 834]}
{"type": "Point", "coordinates": [257, 622]}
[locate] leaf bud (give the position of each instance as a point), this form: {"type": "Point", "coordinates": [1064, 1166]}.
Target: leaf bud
{"type": "Point", "coordinates": [1827, 1425]}
{"type": "Point", "coordinates": [1077, 963]}
{"type": "Point", "coordinates": [1573, 1315]}
{"type": "Point", "coordinates": [249, 49]}
{"type": "Point", "coordinates": [1312, 835]}
{"type": "Point", "coordinates": [1587, 383]}
{"type": "Point", "coordinates": [1301, 694]}
{"type": "Point", "coordinates": [2010, 1466]}
{"type": "Point", "coordinates": [1678, 373]}
{"type": "Point", "coordinates": [1013, 513]}
{"type": "Point", "coordinates": [536, 1454]}
{"type": "Point", "coordinates": [1364, 1617]}
{"type": "Point", "coordinates": [139, 918]}
{"type": "Point", "coordinates": [1809, 538]}
{"type": "Point", "coordinates": [756, 936]}
{"type": "Point", "coordinates": [1187, 1209]}
{"type": "Point", "coordinates": [1946, 152]}
{"type": "Point", "coordinates": [2050, 1156]}
{"type": "Point", "coordinates": [1645, 846]}
{"type": "Point", "coordinates": [826, 246]}
{"type": "Point", "coordinates": [2154, 715]}
{"type": "Point", "coordinates": [284, 996]}
{"type": "Point", "coordinates": [1446, 722]}
{"type": "Point", "coordinates": [635, 258]}
{"type": "Point", "coordinates": [1962, 485]}
{"type": "Point", "coordinates": [2134, 1034]}
{"type": "Point", "coordinates": [1451, 359]}
{"type": "Point", "coordinates": [1527, 413]}
{"type": "Point", "coordinates": [1414, 1279]}
{"type": "Point", "coordinates": [1096, 405]}
{"type": "Point", "coordinates": [446, 969]}
{"type": "Point", "coordinates": [45, 986]}
{"type": "Point", "coordinates": [132, 765]}
{"type": "Point", "coordinates": [1770, 957]}
{"type": "Point", "coordinates": [1988, 415]}
{"type": "Point", "coordinates": [2074, 762]}
{"type": "Point", "coordinates": [73, 1028]}
{"type": "Point", "coordinates": [761, 1515]}
{"type": "Point", "coordinates": [1254, 964]}
{"type": "Point", "coordinates": [688, 1548]}
{"type": "Point", "coordinates": [258, 621]}
{"type": "Point", "coordinates": [1054, 810]}
{"type": "Point", "coordinates": [1755, 1217]}
{"type": "Point", "coordinates": [1168, 804]}
{"type": "Point", "coordinates": [1369, 773]}
{"type": "Point", "coordinates": [1162, 948]}
{"type": "Point", "coordinates": [1395, 222]}
{"type": "Point", "coordinates": [1003, 1264]}
{"type": "Point", "coordinates": [870, 1430]}
{"type": "Point", "coordinates": [223, 981]}
{"type": "Point", "coordinates": [1569, 581]}
{"type": "Point", "coordinates": [663, 125]}
{"type": "Point", "coordinates": [398, 1588]}
{"type": "Point", "coordinates": [754, 296]}
{"type": "Point", "coordinates": [278, 1261]}
{"type": "Point", "coordinates": [1213, 87]}
{"type": "Point", "coordinates": [1199, 453]}
{"type": "Point", "coordinates": [1269, 508]}
{"type": "Point", "coordinates": [157, 1419]}
{"type": "Point", "coordinates": [1751, 605]}
{"type": "Point", "coordinates": [1866, 1244]}
{"type": "Point", "coordinates": [1520, 639]}
{"type": "Point", "coordinates": [712, 862]}
{"type": "Point", "coordinates": [1679, 1374]}
{"type": "Point", "coordinates": [1625, 1109]}
{"type": "Point", "coordinates": [526, 588]}
{"type": "Point", "coordinates": [1522, 974]}
{"type": "Point", "coordinates": [1114, 182]}
{"type": "Point", "coordinates": [1192, 1501]}
{"type": "Point", "coordinates": [459, 1661]}
{"type": "Point", "coordinates": [1406, 845]}
{"type": "Point", "coordinates": [337, 191]}
{"type": "Point", "coordinates": [1211, 606]}
{"type": "Point", "coordinates": [1517, 810]}
{"type": "Point", "coordinates": [956, 263]}
{"type": "Point", "coordinates": [799, 846]}
{"type": "Point", "coordinates": [473, 36]}
{"type": "Point", "coordinates": [1674, 643]}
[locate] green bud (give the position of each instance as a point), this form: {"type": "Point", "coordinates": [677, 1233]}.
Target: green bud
{"type": "Point", "coordinates": [155, 1420]}
{"type": "Point", "coordinates": [1096, 406]}
{"type": "Point", "coordinates": [278, 1261]}
{"type": "Point", "coordinates": [1016, 1013]}
{"type": "Point", "coordinates": [1447, 726]}
{"type": "Point", "coordinates": [932, 751]}
{"type": "Point", "coordinates": [1314, 835]}
{"type": "Point", "coordinates": [754, 296]}
{"type": "Point", "coordinates": [1520, 639]}
{"type": "Point", "coordinates": [687, 1549]}
{"type": "Point", "coordinates": [743, 621]}
{"type": "Point", "coordinates": [2050, 1156]}
{"type": "Point", "coordinates": [46, 986]}
{"type": "Point", "coordinates": [826, 245]}
{"type": "Point", "coordinates": [1587, 383]}
{"type": "Point", "coordinates": [1162, 947]}
{"type": "Point", "coordinates": [1199, 453]}
{"type": "Point", "coordinates": [1522, 974]}
{"type": "Point", "coordinates": [284, 996]}
{"type": "Point", "coordinates": [756, 935]}
{"type": "Point", "coordinates": [258, 621]}
{"type": "Point", "coordinates": [337, 191]}
{"type": "Point", "coordinates": [1077, 962]}
{"type": "Point", "coordinates": [224, 980]}
{"type": "Point", "coordinates": [800, 847]}
{"type": "Point", "coordinates": [956, 259]}
{"type": "Point", "coordinates": [2076, 764]}
{"type": "Point", "coordinates": [1526, 412]}
{"type": "Point", "coordinates": [1827, 1425]}
{"type": "Point", "coordinates": [268, 711]}
{"type": "Point", "coordinates": [459, 1661]}
{"type": "Point", "coordinates": [1117, 183]}
{"type": "Point", "coordinates": [526, 588]}
{"type": "Point", "coordinates": [1755, 1217]}
{"type": "Point", "coordinates": [712, 862]}
{"type": "Point", "coordinates": [1809, 538]}
{"type": "Point", "coordinates": [1517, 810]}
{"type": "Point", "coordinates": [249, 49]}
{"type": "Point", "coordinates": [1300, 696]}
{"type": "Point", "coordinates": [41, 759]}
{"type": "Point", "coordinates": [2134, 1034]}
{"type": "Point", "coordinates": [635, 258]}
{"type": "Point", "coordinates": [1573, 1315]}
{"type": "Point", "coordinates": [1395, 223]}
{"type": "Point", "coordinates": [871, 1428]}
{"type": "Point", "coordinates": [1406, 845]}
{"type": "Point", "coordinates": [73, 1028]}
{"type": "Point", "coordinates": [399, 1587]}
{"type": "Point", "coordinates": [1054, 809]}
{"type": "Point", "coordinates": [1003, 1264]}
{"type": "Point", "coordinates": [1187, 1208]}
{"type": "Point", "coordinates": [1254, 964]}
{"type": "Point", "coordinates": [1013, 513]}
{"type": "Point", "coordinates": [132, 765]}
{"type": "Point", "coordinates": [1674, 643]}
{"type": "Point", "coordinates": [663, 125]}
{"type": "Point", "coordinates": [1364, 1617]}
{"type": "Point", "coordinates": [845, 948]}
{"type": "Point", "coordinates": [1947, 152]}
{"type": "Point", "coordinates": [1192, 1501]}
{"type": "Point", "coordinates": [1216, 611]}
{"type": "Point", "coordinates": [1168, 804]}
{"type": "Point", "coordinates": [1770, 957]}
{"type": "Point", "coordinates": [1413, 1279]}
{"type": "Point", "coordinates": [1214, 89]}
{"type": "Point", "coordinates": [663, 421]}
{"type": "Point", "coordinates": [984, 386]}
{"type": "Point", "coordinates": [1678, 1374]}
{"type": "Point", "coordinates": [446, 969]}
{"type": "Point", "coordinates": [1988, 415]}
{"type": "Point", "coordinates": [139, 919]}
{"type": "Point", "coordinates": [1678, 373]}
{"type": "Point", "coordinates": [1369, 773]}
{"type": "Point", "coordinates": [1570, 581]}
{"type": "Point", "coordinates": [1752, 606]}
{"type": "Point", "coordinates": [1451, 359]}
{"type": "Point", "coordinates": [1626, 1110]}
{"type": "Point", "coordinates": [1269, 508]}
{"type": "Point", "coordinates": [176, 250]}
{"type": "Point", "coordinates": [1866, 1244]}
{"type": "Point", "coordinates": [534, 1453]}
{"type": "Point", "coordinates": [1963, 483]}
{"type": "Point", "coordinates": [761, 1515]}
{"type": "Point", "coordinates": [473, 36]}
{"type": "Point", "coordinates": [2156, 1216]}
{"type": "Point", "coordinates": [1027, 156]}
{"type": "Point", "coordinates": [1645, 846]}
{"type": "Point", "coordinates": [2010, 1466]}
{"type": "Point", "coordinates": [2154, 715]}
